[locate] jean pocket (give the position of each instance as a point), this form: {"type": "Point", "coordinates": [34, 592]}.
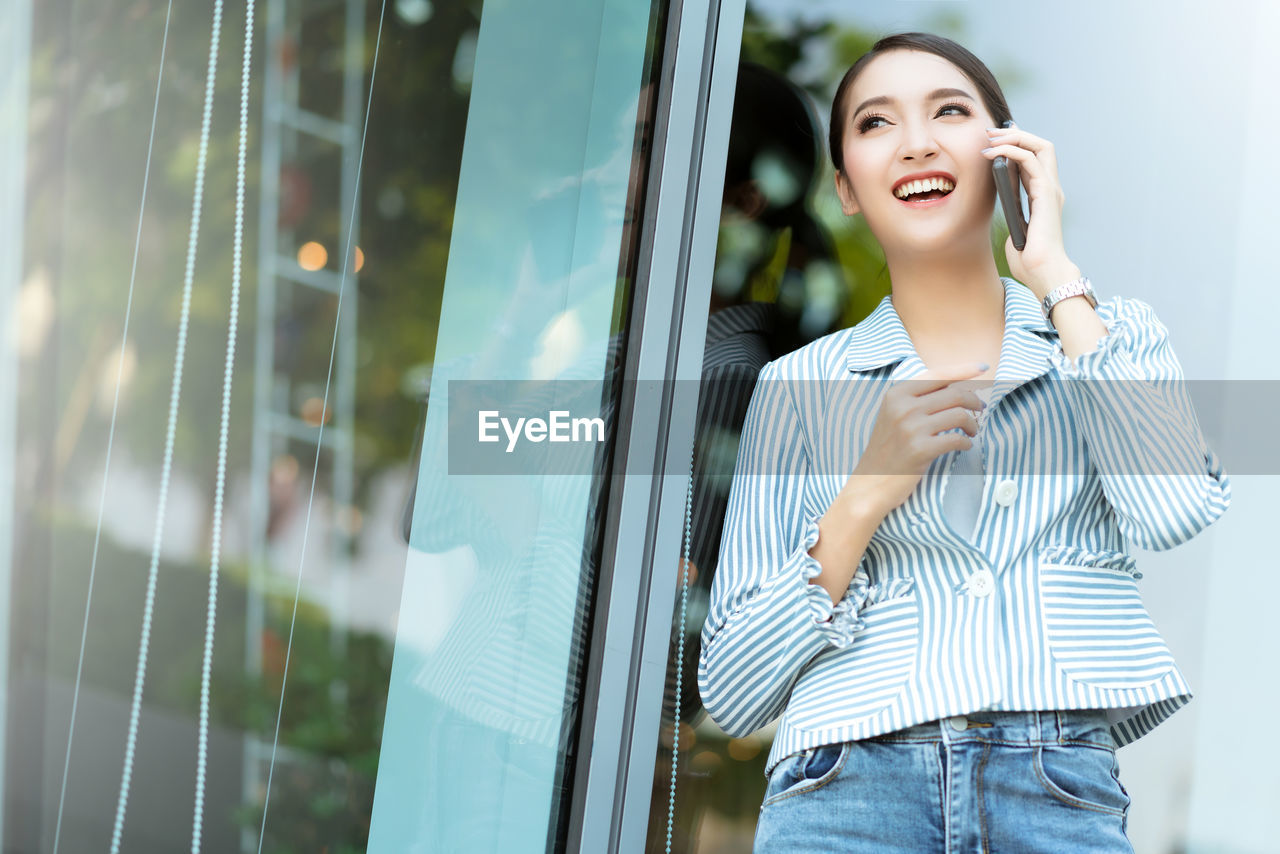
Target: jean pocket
{"type": "Point", "coordinates": [1099, 632]}
{"type": "Point", "coordinates": [1082, 776]}
{"type": "Point", "coordinates": [805, 772]}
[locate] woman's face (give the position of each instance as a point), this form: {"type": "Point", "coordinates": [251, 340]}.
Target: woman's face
{"type": "Point", "coordinates": [911, 113]}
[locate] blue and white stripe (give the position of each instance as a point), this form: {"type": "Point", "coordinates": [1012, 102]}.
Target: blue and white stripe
{"type": "Point", "coordinates": [1081, 459]}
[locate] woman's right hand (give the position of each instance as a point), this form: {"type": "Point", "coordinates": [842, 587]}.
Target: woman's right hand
{"type": "Point", "coordinates": [904, 440]}
{"type": "Point", "coordinates": [910, 431]}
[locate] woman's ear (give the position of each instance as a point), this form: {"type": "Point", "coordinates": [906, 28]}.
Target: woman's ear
{"type": "Point", "coordinates": [845, 191]}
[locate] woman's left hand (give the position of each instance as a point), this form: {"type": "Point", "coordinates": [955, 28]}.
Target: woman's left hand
{"type": "Point", "coordinates": [1042, 264]}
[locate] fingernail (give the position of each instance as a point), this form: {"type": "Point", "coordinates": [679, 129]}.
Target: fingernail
{"type": "Point", "coordinates": [987, 150]}
{"type": "Point", "coordinates": [995, 130]}
{"type": "Point", "coordinates": [984, 366]}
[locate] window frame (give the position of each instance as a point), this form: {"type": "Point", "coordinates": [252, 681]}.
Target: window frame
{"type": "Point", "coordinates": [627, 661]}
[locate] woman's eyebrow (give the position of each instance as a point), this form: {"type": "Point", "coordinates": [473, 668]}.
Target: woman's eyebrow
{"type": "Point", "coordinates": [935, 95]}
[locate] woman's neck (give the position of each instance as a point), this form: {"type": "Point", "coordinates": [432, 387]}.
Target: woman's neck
{"type": "Point", "coordinates": [948, 303]}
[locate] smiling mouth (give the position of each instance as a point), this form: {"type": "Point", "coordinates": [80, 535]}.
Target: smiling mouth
{"type": "Point", "coordinates": [924, 191]}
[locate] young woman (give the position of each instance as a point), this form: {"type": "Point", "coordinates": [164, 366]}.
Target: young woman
{"type": "Point", "coordinates": [955, 659]}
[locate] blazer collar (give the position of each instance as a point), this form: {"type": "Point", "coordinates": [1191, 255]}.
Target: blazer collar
{"type": "Point", "coordinates": [881, 340]}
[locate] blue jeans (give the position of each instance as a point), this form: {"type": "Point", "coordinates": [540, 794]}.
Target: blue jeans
{"type": "Point", "coordinates": [986, 782]}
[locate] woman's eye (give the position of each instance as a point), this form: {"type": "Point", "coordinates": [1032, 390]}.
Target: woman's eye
{"type": "Point", "coordinates": [961, 108]}
{"type": "Point", "coordinates": [866, 124]}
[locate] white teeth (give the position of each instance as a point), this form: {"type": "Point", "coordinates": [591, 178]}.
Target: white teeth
{"type": "Point", "coordinates": [912, 187]}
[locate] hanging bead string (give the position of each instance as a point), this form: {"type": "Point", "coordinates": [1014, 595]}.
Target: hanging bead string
{"type": "Point", "coordinates": [684, 606]}
{"type": "Point", "coordinates": [237, 246]}
{"type": "Point", "coordinates": [175, 393]}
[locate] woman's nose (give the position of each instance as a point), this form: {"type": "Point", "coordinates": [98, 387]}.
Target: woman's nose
{"type": "Point", "coordinates": [918, 142]}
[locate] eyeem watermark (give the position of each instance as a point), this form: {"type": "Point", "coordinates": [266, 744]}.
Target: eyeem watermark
{"type": "Point", "coordinates": [558, 426]}
{"type": "Point", "coordinates": [1077, 427]}
{"type": "Point", "coordinates": [507, 427]}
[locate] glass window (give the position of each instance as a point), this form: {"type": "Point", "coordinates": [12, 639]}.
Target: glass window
{"type": "Point", "coordinates": [435, 193]}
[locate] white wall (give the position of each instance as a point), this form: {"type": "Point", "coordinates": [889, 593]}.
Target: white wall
{"type": "Point", "coordinates": [15, 37]}
{"type": "Point", "coordinates": [1236, 787]}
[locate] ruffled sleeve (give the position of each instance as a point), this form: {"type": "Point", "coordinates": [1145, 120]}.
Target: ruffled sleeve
{"type": "Point", "coordinates": [838, 622]}
{"type": "Point", "coordinates": [765, 621]}
{"type": "Point", "coordinates": [1134, 410]}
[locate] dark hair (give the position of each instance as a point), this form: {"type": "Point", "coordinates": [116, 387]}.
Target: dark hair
{"type": "Point", "coordinates": [959, 56]}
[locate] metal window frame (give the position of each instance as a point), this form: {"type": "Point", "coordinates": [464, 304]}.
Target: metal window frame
{"type": "Point", "coordinates": [627, 662]}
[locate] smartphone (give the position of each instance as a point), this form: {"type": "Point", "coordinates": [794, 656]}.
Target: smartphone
{"type": "Point", "coordinates": [1009, 188]}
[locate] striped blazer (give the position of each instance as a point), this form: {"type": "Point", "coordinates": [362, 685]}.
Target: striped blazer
{"type": "Point", "coordinates": [1038, 609]}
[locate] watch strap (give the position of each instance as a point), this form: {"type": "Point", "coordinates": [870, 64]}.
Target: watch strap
{"type": "Point", "coordinates": [1079, 287]}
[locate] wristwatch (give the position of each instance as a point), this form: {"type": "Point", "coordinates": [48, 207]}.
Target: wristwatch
{"type": "Point", "coordinates": [1080, 287]}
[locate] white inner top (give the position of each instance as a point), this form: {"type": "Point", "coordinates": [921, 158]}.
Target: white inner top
{"type": "Point", "coordinates": [962, 495]}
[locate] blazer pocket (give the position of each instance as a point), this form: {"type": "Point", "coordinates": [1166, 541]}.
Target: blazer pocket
{"type": "Point", "coordinates": [1099, 632]}
{"type": "Point", "coordinates": [865, 677]}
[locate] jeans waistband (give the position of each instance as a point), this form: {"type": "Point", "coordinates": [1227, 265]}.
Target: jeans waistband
{"type": "Point", "coordinates": [1075, 726]}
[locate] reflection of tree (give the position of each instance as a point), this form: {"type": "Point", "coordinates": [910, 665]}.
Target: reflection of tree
{"type": "Point", "coordinates": [93, 82]}
{"type": "Point", "coordinates": [412, 163]}
{"type": "Point", "coordinates": [93, 72]}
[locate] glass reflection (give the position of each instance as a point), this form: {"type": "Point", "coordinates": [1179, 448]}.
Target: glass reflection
{"type": "Point", "coordinates": [325, 517]}
{"type": "Point", "coordinates": [505, 564]}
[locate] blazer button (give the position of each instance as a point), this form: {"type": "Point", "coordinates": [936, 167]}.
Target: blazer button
{"type": "Point", "coordinates": [982, 583]}
{"type": "Point", "coordinates": [1006, 493]}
